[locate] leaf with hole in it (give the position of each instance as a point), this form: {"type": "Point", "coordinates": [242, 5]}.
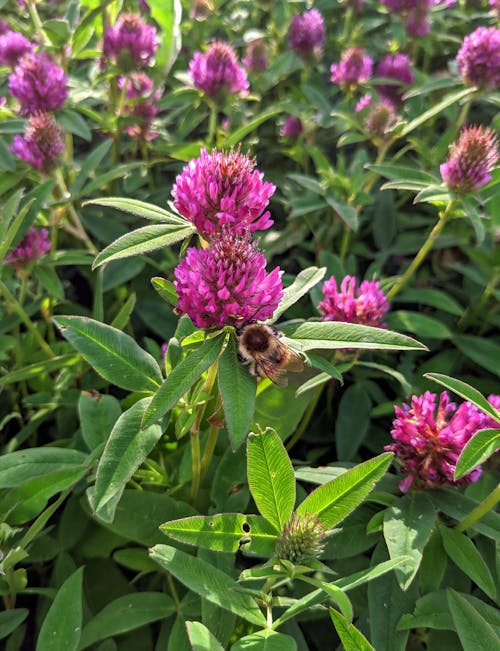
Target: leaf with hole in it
{"type": "Point", "coordinates": [62, 627]}
{"type": "Point", "coordinates": [351, 638]}
{"type": "Point", "coordinates": [333, 501]}
{"type": "Point", "coordinates": [225, 532]}
{"type": "Point", "coordinates": [143, 240]}
{"type": "Point", "coordinates": [237, 389]}
{"type": "Point", "coordinates": [182, 378]}
{"type": "Point", "coordinates": [465, 391]}
{"type": "Point", "coordinates": [474, 631]}
{"type": "Point", "coordinates": [112, 353]}
{"type": "Point", "coordinates": [480, 448]}
{"type": "Point", "coordinates": [208, 582]}
{"type": "Point", "coordinates": [270, 477]}
{"type": "Point", "coordinates": [304, 281]}
{"type": "Point", "coordinates": [127, 448]}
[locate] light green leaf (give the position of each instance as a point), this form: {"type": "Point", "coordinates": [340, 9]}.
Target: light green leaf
{"type": "Point", "coordinates": [304, 281]}
{"type": "Point", "coordinates": [182, 378]}
{"type": "Point", "coordinates": [237, 388]}
{"type": "Point", "coordinates": [201, 638]}
{"type": "Point", "coordinates": [209, 582]}
{"type": "Point", "coordinates": [126, 614]}
{"type": "Point", "coordinates": [270, 477]}
{"type": "Point", "coordinates": [465, 391]}
{"type": "Point", "coordinates": [167, 14]}
{"type": "Point", "coordinates": [266, 640]}
{"type": "Point", "coordinates": [141, 209]}
{"type": "Point", "coordinates": [238, 135]}
{"type": "Point", "coordinates": [112, 353]}
{"type": "Point", "coordinates": [419, 324]}
{"type": "Point", "coordinates": [40, 368]}
{"type": "Point", "coordinates": [408, 525]}
{"type": "Point", "coordinates": [165, 289]}
{"type": "Point", "coordinates": [465, 555]}
{"type": "Point", "coordinates": [351, 638]}
{"type": "Point", "coordinates": [143, 240]}
{"type": "Point", "coordinates": [474, 631]}
{"type": "Point", "coordinates": [338, 596]}
{"type": "Point", "coordinates": [333, 335]}
{"type": "Point", "coordinates": [22, 465]}
{"type": "Point", "coordinates": [333, 501]}
{"type": "Point", "coordinates": [62, 626]}
{"type": "Point", "coordinates": [480, 447]}
{"type": "Point", "coordinates": [126, 449]}
{"type": "Point", "coordinates": [449, 100]}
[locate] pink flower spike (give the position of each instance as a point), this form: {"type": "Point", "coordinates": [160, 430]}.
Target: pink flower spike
{"type": "Point", "coordinates": [306, 35]}
{"type": "Point", "coordinates": [365, 304]}
{"type": "Point", "coordinates": [131, 43]}
{"type": "Point", "coordinates": [34, 245]}
{"type": "Point", "coordinates": [478, 60]}
{"type": "Point", "coordinates": [217, 72]}
{"type": "Point", "coordinates": [38, 83]}
{"type": "Point", "coordinates": [42, 144]}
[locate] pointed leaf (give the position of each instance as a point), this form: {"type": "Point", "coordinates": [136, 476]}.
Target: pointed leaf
{"type": "Point", "coordinates": [333, 501]}
{"type": "Point", "coordinates": [112, 353]}
{"type": "Point", "coordinates": [22, 465]}
{"type": "Point", "coordinates": [449, 100]}
{"type": "Point", "coordinates": [141, 209]}
{"type": "Point", "coordinates": [238, 135]}
{"type": "Point", "coordinates": [465, 391]}
{"type": "Point", "coordinates": [304, 281]}
{"type": "Point", "coordinates": [480, 447]}
{"type": "Point", "coordinates": [182, 378]}
{"type": "Point", "coordinates": [266, 640]}
{"type": "Point", "coordinates": [201, 638]}
{"type": "Point", "coordinates": [208, 582]}
{"type": "Point", "coordinates": [270, 477]}
{"type": "Point", "coordinates": [11, 619]}
{"type": "Point", "coordinates": [474, 631]}
{"type": "Point", "coordinates": [89, 165]}
{"type": "Point", "coordinates": [237, 388]}
{"type": "Point", "coordinates": [351, 638]}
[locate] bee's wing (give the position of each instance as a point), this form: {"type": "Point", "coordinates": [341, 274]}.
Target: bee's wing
{"type": "Point", "coordinates": [295, 362]}
{"type": "Point", "coordinates": [266, 368]}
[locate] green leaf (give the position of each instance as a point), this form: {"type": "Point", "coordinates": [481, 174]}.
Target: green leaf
{"type": "Point", "coordinates": [238, 135]}
{"type": "Point", "coordinates": [419, 324]}
{"type": "Point", "coordinates": [266, 640]}
{"type": "Point", "coordinates": [126, 614]}
{"type": "Point", "coordinates": [333, 335]}
{"type": "Point", "coordinates": [304, 281]}
{"type": "Point", "coordinates": [484, 352]}
{"type": "Point", "coordinates": [74, 123]}
{"type": "Point", "coordinates": [118, 172]}
{"type": "Point", "coordinates": [62, 626]}
{"type": "Point", "coordinates": [387, 370]}
{"type": "Point", "coordinates": [126, 449]}
{"type": "Point", "coordinates": [7, 161]}
{"type": "Point", "coordinates": [182, 378]}
{"type": "Point", "coordinates": [237, 388]}
{"type": "Point", "coordinates": [11, 619]}
{"type": "Point", "coordinates": [49, 280]}
{"type": "Point", "coordinates": [465, 555]}
{"type": "Point", "coordinates": [22, 465]}
{"type": "Point", "coordinates": [165, 289]}
{"type": "Point", "coordinates": [447, 502]}
{"type": "Point", "coordinates": [40, 369]}
{"type": "Point", "coordinates": [333, 501]}
{"type": "Point", "coordinates": [208, 582]}
{"type": "Point", "coordinates": [353, 421]}
{"type": "Point", "coordinates": [98, 414]}
{"type": "Point", "coordinates": [449, 100]}
{"type": "Point", "coordinates": [225, 532]}
{"type": "Point", "coordinates": [112, 353]}
{"type": "Point", "coordinates": [480, 447]}
{"type": "Point", "coordinates": [431, 611]}
{"type": "Point", "coordinates": [433, 297]}
{"type": "Point", "coordinates": [141, 209]}
{"type": "Point", "coordinates": [474, 631]}
{"type": "Point", "coordinates": [408, 525]}
{"type": "Point", "coordinates": [89, 165]}
{"type": "Point", "coordinates": [201, 638]}
{"type": "Point", "coordinates": [351, 638]}
{"type": "Point", "coordinates": [338, 596]}
{"type": "Point", "coordinates": [401, 172]}
{"type": "Point", "coordinates": [168, 15]}
{"type": "Point", "coordinates": [465, 391]}
{"type": "Point", "coordinates": [347, 213]}
{"type": "Point", "coordinates": [143, 240]}
{"type": "Point", "coordinates": [270, 477]}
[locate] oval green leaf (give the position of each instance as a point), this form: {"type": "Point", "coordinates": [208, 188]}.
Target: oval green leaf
{"type": "Point", "coordinates": [480, 447]}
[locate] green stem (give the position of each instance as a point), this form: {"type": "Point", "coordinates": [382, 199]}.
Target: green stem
{"type": "Point", "coordinates": [465, 111]}
{"type": "Point", "coordinates": [77, 228]}
{"type": "Point", "coordinates": [344, 243]}
{"type": "Point", "coordinates": [17, 308]}
{"type": "Point", "coordinates": [481, 510]}
{"type": "Point", "coordinates": [212, 125]}
{"type": "Point", "coordinates": [37, 23]}
{"type": "Point", "coordinates": [424, 250]}
{"type": "Point", "coordinates": [209, 450]}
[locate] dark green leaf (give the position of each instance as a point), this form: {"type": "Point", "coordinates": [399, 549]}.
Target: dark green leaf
{"type": "Point", "coordinates": [474, 631]}
{"type": "Point", "coordinates": [351, 638]}
{"type": "Point", "coordinates": [74, 123]}
{"type": "Point", "coordinates": [11, 619]}
{"type": "Point", "coordinates": [266, 640]}
{"type": "Point", "coordinates": [304, 281]}
{"type": "Point", "coordinates": [98, 414]}
{"type": "Point", "coordinates": [353, 421]}
{"type": "Point", "coordinates": [19, 466]}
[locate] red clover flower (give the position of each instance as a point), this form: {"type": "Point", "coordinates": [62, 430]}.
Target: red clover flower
{"type": "Point", "coordinates": [429, 442]}
{"type": "Point", "coordinates": [131, 43]}
{"type": "Point", "coordinates": [292, 128]}
{"type": "Point", "coordinates": [217, 72]}
{"type": "Point", "coordinates": [306, 35]}
{"type": "Point", "coordinates": [220, 190]}
{"type": "Point", "coordinates": [42, 143]}
{"type": "Point", "coordinates": [397, 67]}
{"type": "Point", "coordinates": [141, 104]}
{"type": "Point", "coordinates": [34, 245]}
{"type": "Point", "coordinates": [365, 304]}
{"type": "Point", "coordinates": [354, 67]}
{"type": "Point", "coordinates": [471, 160]}
{"type": "Point", "coordinates": [13, 46]}
{"type": "Point", "coordinates": [478, 60]}
{"type": "Point", "coordinates": [227, 283]}
{"type": "Point", "coordinates": [38, 83]}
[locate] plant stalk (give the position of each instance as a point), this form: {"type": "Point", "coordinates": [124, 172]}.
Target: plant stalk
{"type": "Point", "coordinates": [488, 504]}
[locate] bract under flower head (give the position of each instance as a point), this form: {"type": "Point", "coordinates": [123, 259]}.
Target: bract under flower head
{"type": "Point", "coordinates": [217, 72]}
{"type": "Point", "coordinates": [354, 67]}
{"type": "Point", "coordinates": [478, 60]}
{"type": "Point", "coordinates": [34, 245]}
{"type": "Point", "coordinates": [365, 304]}
{"type": "Point", "coordinates": [38, 83]}
{"type": "Point", "coordinates": [471, 160]}
{"type": "Point", "coordinates": [306, 35]}
{"type": "Point", "coordinates": [397, 67]}
{"type": "Point", "coordinates": [131, 43]}
{"type": "Point", "coordinates": [222, 190]}
{"type": "Point", "coordinates": [227, 284]}
{"type": "Point", "coordinates": [42, 143]}
{"type": "Point", "coordinates": [13, 46]}
{"type": "Point", "coordinates": [429, 441]}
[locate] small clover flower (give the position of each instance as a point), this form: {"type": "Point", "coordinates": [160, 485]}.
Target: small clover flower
{"type": "Point", "coordinates": [471, 160]}
{"type": "Point", "coordinates": [34, 245]}
{"type": "Point", "coordinates": [301, 540]}
{"type": "Point", "coordinates": [227, 284]}
{"type": "Point", "coordinates": [38, 83]}
{"type": "Point", "coordinates": [131, 43]}
{"type": "Point", "coordinates": [381, 119]}
{"type": "Point", "coordinates": [292, 128]}
{"type": "Point", "coordinates": [478, 60]}
{"type": "Point", "coordinates": [223, 190]}
{"type": "Point", "coordinates": [397, 67]}
{"type": "Point", "coordinates": [42, 143]}
{"type": "Point", "coordinates": [306, 35]}
{"type": "Point", "coordinates": [363, 103]}
{"type": "Point", "coordinates": [365, 304]}
{"type": "Point", "coordinates": [217, 72]}
{"type": "Point", "coordinates": [354, 67]}
{"type": "Point", "coordinates": [13, 46]}
{"type": "Point", "coordinates": [141, 101]}
{"type": "Point", "coordinates": [429, 441]}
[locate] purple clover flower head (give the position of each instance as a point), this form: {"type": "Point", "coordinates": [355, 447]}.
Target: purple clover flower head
{"type": "Point", "coordinates": [141, 101]}
{"type": "Point", "coordinates": [131, 43]}
{"type": "Point", "coordinates": [418, 19]}
{"type": "Point", "coordinates": [217, 72]}
{"type": "Point", "coordinates": [42, 144]}
{"type": "Point", "coordinates": [397, 67]}
{"type": "Point", "coordinates": [4, 27]}
{"type": "Point", "coordinates": [471, 160]}
{"type": "Point", "coordinates": [222, 190]}
{"type": "Point", "coordinates": [380, 120]}
{"type": "Point", "coordinates": [227, 283]}
{"type": "Point", "coordinates": [13, 46]}
{"type": "Point", "coordinates": [256, 58]}
{"type": "Point", "coordinates": [429, 441]}
{"type": "Point", "coordinates": [478, 60]}
{"type": "Point", "coordinates": [34, 245]}
{"type": "Point", "coordinates": [306, 35]}
{"type": "Point", "coordinates": [292, 128]}
{"type": "Point", "coordinates": [38, 83]}
{"type": "Point", "coordinates": [363, 103]}
{"type": "Point", "coordinates": [494, 400]}
{"type": "Point", "coordinates": [354, 67]}
{"type": "Point", "coordinates": [365, 304]}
